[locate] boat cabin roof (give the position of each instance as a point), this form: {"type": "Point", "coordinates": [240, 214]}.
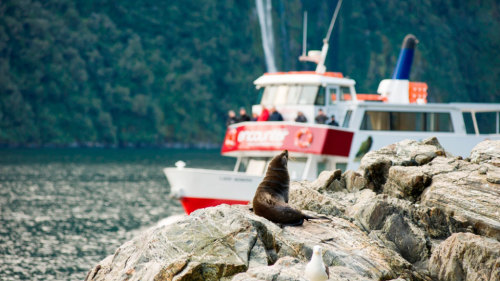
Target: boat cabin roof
{"type": "Point", "coordinates": [303, 77]}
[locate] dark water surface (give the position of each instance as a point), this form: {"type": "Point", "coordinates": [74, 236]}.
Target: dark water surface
{"type": "Point", "coordinates": [64, 210]}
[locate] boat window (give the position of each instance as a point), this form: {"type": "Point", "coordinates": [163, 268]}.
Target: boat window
{"type": "Point", "coordinates": [320, 97]}
{"type": "Point", "coordinates": [373, 120]}
{"type": "Point", "coordinates": [469, 124]}
{"type": "Point", "coordinates": [438, 122]}
{"type": "Point", "coordinates": [294, 94]}
{"type": "Point", "coordinates": [347, 118]}
{"type": "Point", "coordinates": [407, 121]}
{"type": "Point", "coordinates": [344, 91]}
{"type": "Point", "coordinates": [486, 122]}
{"type": "Point", "coordinates": [269, 94]}
{"type": "Point", "coordinates": [296, 168]}
{"type": "Point", "coordinates": [260, 95]}
{"type": "Point", "coordinates": [308, 94]}
{"type": "Point", "coordinates": [253, 166]}
{"type": "Point", "coordinates": [321, 166]}
{"type": "Point", "coordinates": [332, 94]}
{"type": "Point", "coordinates": [281, 95]}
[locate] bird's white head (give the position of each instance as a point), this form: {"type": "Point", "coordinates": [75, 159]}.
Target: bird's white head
{"type": "Point", "coordinates": [317, 250]}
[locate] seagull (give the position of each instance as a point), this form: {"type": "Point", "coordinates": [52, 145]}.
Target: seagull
{"type": "Point", "coordinates": [316, 269]}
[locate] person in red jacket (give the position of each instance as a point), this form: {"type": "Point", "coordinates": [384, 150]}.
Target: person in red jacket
{"type": "Point", "coordinates": [264, 115]}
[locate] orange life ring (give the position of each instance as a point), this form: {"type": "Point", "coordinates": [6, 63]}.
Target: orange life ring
{"type": "Point", "coordinates": [303, 138]}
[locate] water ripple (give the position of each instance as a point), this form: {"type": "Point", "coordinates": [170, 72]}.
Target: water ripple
{"type": "Point", "coordinates": [62, 211]}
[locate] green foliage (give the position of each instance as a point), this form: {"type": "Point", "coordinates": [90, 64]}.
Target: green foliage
{"type": "Point", "coordinates": [153, 72]}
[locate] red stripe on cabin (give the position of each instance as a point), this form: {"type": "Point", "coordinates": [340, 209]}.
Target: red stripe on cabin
{"type": "Point", "coordinates": [327, 74]}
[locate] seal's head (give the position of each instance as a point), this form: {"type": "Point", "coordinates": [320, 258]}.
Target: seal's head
{"type": "Point", "coordinates": [280, 160]}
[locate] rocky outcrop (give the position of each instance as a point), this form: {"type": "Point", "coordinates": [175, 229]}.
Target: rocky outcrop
{"type": "Point", "coordinates": [465, 256]}
{"type": "Point", "coordinates": [411, 212]}
{"type": "Point", "coordinates": [220, 242]}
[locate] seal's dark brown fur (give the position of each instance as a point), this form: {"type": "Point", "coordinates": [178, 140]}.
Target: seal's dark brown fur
{"type": "Point", "coordinates": [271, 198]}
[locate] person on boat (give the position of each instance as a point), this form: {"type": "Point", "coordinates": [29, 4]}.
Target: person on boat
{"type": "Point", "coordinates": [231, 118]}
{"type": "Point", "coordinates": [321, 118]}
{"type": "Point", "coordinates": [255, 116]}
{"type": "Point", "coordinates": [275, 115]}
{"type": "Point", "coordinates": [300, 117]}
{"type": "Point", "coordinates": [243, 115]}
{"type": "Point", "coordinates": [264, 115]}
{"type": "Point", "coordinates": [333, 122]}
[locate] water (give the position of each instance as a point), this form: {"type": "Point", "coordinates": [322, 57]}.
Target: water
{"type": "Point", "coordinates": [64, 210]}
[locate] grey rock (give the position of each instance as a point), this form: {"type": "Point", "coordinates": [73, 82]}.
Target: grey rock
{"type": "Point", "coordinates": [487, 151]}
{"type": "Point", "coordinates": [305, 197]}
{"type": "Point", "coordinates": [220, 242]}
{"type": "Point", "coordinates": [353, 181]}
{"type": "Point", "coordinates": [375, 164]}
{"type": "Point", "coordinates": [403, 216]}
{"type": "Point", "coordinates": [483, 170]}
{"type": "Point", "coordinates": [458, 188]}
{"type": "Point", "coordinates": [410, 241]}
{"type": "Point", "coordinates": [285, 269]}
{"type": "Point", "coordinates": [329, 181]}
{"type": "Point", "coordinates": [407, 182]}
{"type": "Point", "coordinates": [465, 256]}
{"type": "Point", "coordinates": [468, 196]}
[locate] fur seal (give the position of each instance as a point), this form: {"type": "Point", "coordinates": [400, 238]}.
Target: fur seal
{"type": "Point", "coordinates": [271, 198]}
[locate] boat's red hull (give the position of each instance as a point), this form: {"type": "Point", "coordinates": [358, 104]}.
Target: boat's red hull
{"type": "Point", "coordinates": [191, 204]}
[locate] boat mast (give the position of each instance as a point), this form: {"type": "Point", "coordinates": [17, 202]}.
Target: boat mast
{"type": "Point", "coordinates": [304, 36]}
{"type": "Point", "coordinates": [317, 56]}
{"type": "Point", "coordinates": [321, 68]}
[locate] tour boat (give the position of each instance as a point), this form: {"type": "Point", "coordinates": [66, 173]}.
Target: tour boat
{"type": "Point", "coordinates": [366, 122]}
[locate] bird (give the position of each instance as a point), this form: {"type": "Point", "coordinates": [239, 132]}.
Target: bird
{"type": "Point", "coordinates": [364, 147]}
{"type": "Point", "coordinates": [316, 269]}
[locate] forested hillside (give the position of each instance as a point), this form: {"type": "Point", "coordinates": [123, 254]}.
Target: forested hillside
{"type": "Point", "coordinates": [148, 72]}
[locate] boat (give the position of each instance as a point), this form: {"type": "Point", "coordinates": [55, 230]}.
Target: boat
{"type": "Point", "coordinates": [398, 111]}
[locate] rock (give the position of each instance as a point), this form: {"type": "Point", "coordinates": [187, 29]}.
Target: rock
{"type": "Point", "coordinates": [354, 181]}
{"type": "Point", "coordinates": [304, 197]}
{"type": "Point", "coordinates": [406, 182]}
{"type": "Point", "coordinates": [286, 269]}
{"type": "Point", "coordinates": [412, 212]}
{"type": "Point", "coordinates": [220, 242]}
{"type": "Point", "coordinates": [465, 256]}
{"type": "Point", "coordinates": [329, 181]}
{"type": "Point", "coordinates": [487, 151]}
{"type": "Point", "coordinates": [467, 192]}
{"type": "Point", "coordinates": [375, 164]}
{"type": "Point", "coordinates": [208, 245]}
{"type": "Point", "coordinates": [409, 240]}
{"type": "Point", "coordinates": [467, 195]}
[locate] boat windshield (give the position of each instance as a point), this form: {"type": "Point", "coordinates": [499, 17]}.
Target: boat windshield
{"type": "Point", "coordinates": [407, 121]}
{"type": "Point", "coordinates": [487, 122]}
{"type": "Point", "coordinates": [257, 166]}
{"type": "Point", "coordinates": [290, 94]}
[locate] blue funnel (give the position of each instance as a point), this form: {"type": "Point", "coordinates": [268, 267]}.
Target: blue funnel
{"type": "Point", "coordinates": [403, 67]}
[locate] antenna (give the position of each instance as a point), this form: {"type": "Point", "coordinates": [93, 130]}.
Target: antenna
{"type": "Point", "coordinates": [304, 35]}
{"type": "Point", "coordinates": [334, 18]}
{"type": "Point", "coordinates": [319, 56]}
{"type": "Point", "coordinates": [313, 56]}
{"type": "Point", "coordinates": [321, 68]}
